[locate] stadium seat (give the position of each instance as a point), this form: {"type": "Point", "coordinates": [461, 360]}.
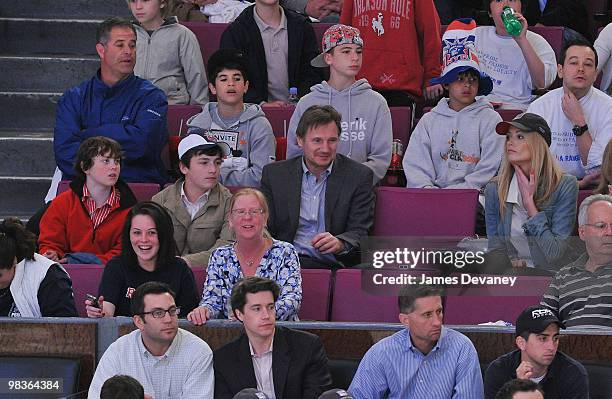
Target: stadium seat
{"type": "Point", "coordinates": [281, 148]}
{"type": "Point", "coordinates": [401, 118]}
{"type": "Point", "coordinates": [425, 212]}
{"type": "Point", "coordinates": [85, 280]}
{"type": "Point", "coordinates": [279, 118]}
{"type": "Point", "coordinates": [508, 114]}
{"type": "Point", "coordinates": [27, 368]}
{"type": "Point", "coordinates": [177, 118]}
{"type": "Point", "coordinates": [553, 35]}
{"type": "Point", "coordinates": [200, 277]}
{"type": "Point", "coordinates": [142, 191]}
{"type": "Point", "coordinates": [208, 35]}
{"type": "Point", "coordinates": [475, 304]}
{"type": "Point", "coordinates": [316, 294]}
{"type": "Point", "coordinates": [351, 303]}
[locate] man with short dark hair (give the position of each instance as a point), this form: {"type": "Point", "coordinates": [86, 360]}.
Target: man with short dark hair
{"type": "Point", "coordinates": [122, 387]}
{"type": "Point", "coordinates": [83, 224]}
{"type": "Point", "coordinates": [116, 104]}
{"type": "Point", "coordinates": [520, 389]}
{"type": "Point", "coordinates": [578, 114]}
{"type": "Point", "coordinates": [197, 202]}
{"type": "Point", "coordinates": [537, 359]}
{"type": "Point", "coordinates": [281, 362]}
{"type": "Point", "coordinates": [321, 201]}
{"type": "Point", "coordinates": [168, 361]}
{"type": "Point", "coordinates": [425, 360]}
{"type": "Point", "coordinates": [581, 292]}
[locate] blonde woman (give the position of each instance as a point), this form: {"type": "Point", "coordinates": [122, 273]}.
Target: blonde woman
{"type": "Point", "coordinates": [530, 207]}
{"type": "Point", "coordinates": [605, 179]}
{"type": "Point", "coordinates": [254, 253]}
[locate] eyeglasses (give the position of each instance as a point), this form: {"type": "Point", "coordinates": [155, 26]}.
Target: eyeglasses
{"type": "Point", "coordinates": [160, 313]}
{"type": "Point", "coordinates": [601, 226]}
{"type": "Point", "coordinates": [250, 212]}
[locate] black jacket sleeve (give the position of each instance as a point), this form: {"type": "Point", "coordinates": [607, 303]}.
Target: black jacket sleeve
{"type": "Point", "coordinates": [187, 297]}
{"type": "Point", "coordinates": [55, 295]}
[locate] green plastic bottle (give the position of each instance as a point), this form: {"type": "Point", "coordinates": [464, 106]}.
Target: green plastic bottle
{"type": "Point", "coordinates": [513, 25]}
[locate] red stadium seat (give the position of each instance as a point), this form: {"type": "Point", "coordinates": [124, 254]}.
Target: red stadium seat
{"type": "Point", "coordinates": [316, 294]}
{"type": "Point", "coordinates": [425, 212]}
{"type": "Point", "coordinates": [351, 303]}
{"type": "Point", "coordinates": [209, 36]}
{"type": "Point", "coordinates": [177, 118]}
{"type": "Point", "coordinates": [142, 191]}
{"type": "Point", "coordinates": [279, 118]}
{"type": "Point", "coordinates": [475, 304]}
{"type": "Point", "coordinates": [85, 280]}
{"type": "Point", "coordinates": [200, 277]}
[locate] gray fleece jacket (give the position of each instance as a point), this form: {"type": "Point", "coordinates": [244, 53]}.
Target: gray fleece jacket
{"type": "Point", "coordinates": [450, 149]}
{"type": "Point", "coordinates": [256, 141]}
{"type": "Point", "coordinates": [366, 135]}
{"type": "Point", "coordinates": [170, 58]}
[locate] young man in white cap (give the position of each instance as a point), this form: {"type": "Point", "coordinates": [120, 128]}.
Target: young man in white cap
{"type": "Point", "coordinates": [455, 145]}
{"type": "Point", "coordinates": [198, 203]}
{"type": "Point", "coordinates": [366, 134]}
{"type": "Point", "coordinates": [537, 359]}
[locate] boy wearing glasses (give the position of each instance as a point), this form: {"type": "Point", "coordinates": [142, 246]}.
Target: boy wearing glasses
{"type": "Point", "coordinates": [84, 224]}
{"type": "Point", "coordinates": [158, 350]}
{"type": "Point", "coordinates": [581, 292]}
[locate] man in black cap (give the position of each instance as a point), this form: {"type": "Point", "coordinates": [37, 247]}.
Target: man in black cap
{"type": "Point", "coordinates": [537, 359]}
{"type": "Point", "coordinates": [250, 393]}
{"type": "Point", "coordinates": [335, 394]}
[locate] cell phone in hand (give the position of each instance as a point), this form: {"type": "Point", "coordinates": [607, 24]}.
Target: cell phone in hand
{"type": "Point", "coordinates": [94, 301]}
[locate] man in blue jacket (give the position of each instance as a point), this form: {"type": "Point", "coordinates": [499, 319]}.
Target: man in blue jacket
{"type": "Point", "coordinates": [116, 104]}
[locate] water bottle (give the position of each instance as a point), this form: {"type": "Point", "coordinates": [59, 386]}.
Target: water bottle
{"type": "Point", "coordinates": [293, 96]}
{"type": "Point", "coordinates": [513, 25]}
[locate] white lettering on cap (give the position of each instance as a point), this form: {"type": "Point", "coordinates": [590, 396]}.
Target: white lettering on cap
{"type": "Point", "coordinates": [541, 312]}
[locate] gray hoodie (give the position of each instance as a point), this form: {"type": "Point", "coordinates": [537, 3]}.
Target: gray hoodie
{"type": "Point", "coordinates": [450, 149]}
{"type": "Point", "coordinates": [370, 124]}
{"type": "Point", "coordinates": [256, 141]}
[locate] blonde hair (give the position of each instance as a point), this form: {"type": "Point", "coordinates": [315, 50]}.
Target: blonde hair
{"type": "Point", "coordinates": [546, 171]}
{"type": "Point", "coordinates": [606, 171]}
{"type": "Point", "coordinates": [243, 192]}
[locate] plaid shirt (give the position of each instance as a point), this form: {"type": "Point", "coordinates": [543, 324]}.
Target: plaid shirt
{"type": "Point", "coordinates": [98, 215]}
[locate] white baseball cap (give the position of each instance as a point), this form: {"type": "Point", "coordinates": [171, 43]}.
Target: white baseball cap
{"type": "Point", "coordinates": [195, 140]}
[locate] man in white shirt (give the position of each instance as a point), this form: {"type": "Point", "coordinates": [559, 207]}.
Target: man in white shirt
{"type": "Point", "coordinates": [579, 115]}
{"type": "Point", "coordinates": [169, 362]}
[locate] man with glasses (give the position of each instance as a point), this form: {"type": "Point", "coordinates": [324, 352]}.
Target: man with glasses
{"type": "Point", "coordinates": [581, 292]}
{"type": "Point", "coordinates": [84, 223]}
{"type": "Point", "coordinates": [281, 362]}
{"type": "Point", "coordinates": [168, 361]}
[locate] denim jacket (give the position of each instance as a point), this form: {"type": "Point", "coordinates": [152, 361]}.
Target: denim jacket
{"type": "Point", "coordinates": [547, 231]}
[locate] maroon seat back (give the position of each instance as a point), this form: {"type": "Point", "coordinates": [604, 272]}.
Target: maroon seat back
{"type": "Point", "coordinates": [475, 304]}
{"type": "Point", "coordinates": [425, 212]}
{"type": "Point", "coordinates": [200, 277]}
{"type": "Point", "coordinates": [401, 118]}
{"type": "Point", "coordinates": [352, 303]}
{"type": "Point", "coordinates": [279, 118]}
{"type": "Point", "coordinates": [316, 294]}
{"type": "Point", "coordinates": [177, 118]}
{"type": "Point", "coordinates": [553, 35]}
{"type": "Point", "coordinates": [85, 280]}
{"type": "Point", "coordinates": [142, 191]}
{"type": "Point", "coordinates": [209, 36]}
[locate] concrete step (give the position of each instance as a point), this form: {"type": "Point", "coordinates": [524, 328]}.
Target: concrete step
{"type": "Point", "coordinates": [27, 111]}
{"type": "Point", "coordinates": [84, 9]}
{"type": "Point", "coordinates": [22, 196]}
{"type": "Point", "coordinates": [45, 74]}
{"type": "Point", "coordinates": [26, 154]}
{"type": "Point", "coordinates": [27, 36]}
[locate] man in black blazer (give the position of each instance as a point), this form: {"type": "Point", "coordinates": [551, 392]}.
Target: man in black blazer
{"type": "Point", "coordinates": [281, 362]}
{"type": "Point", "coordinates": [322, 202]}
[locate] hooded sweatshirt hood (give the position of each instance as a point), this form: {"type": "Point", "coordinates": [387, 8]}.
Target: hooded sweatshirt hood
{"type": "Point", "coordinates": [454, 149]}
{"type": "Point", "coordinates": [366, 132]}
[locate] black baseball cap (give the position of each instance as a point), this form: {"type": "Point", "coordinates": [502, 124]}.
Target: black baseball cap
{"type": "Point", "coordinates": [528, 123]}
{"type": "Point", "coordinates": [536, 319]}
{"type": "Point", "coordinates": [335, 394]}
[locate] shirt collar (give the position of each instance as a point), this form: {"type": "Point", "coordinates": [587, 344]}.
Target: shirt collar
{"type": "Point", "coordinates": [263, 26]}
{"type": "Point", "coordinates": [263, 354]}
{"type": "Point", "coordinates": [437, 346]}
{"type": "Point", "coordinates": [307, 172]}
{"type": "Point", "coordinates": [110, 201]}
{"type": "Point", "coordinates": [171, 349]}
{"type": "Point", "coordinates": [201, 199]}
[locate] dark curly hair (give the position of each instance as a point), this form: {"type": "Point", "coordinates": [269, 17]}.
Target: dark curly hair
{"type": "Point", "coordinates": [15, 242]}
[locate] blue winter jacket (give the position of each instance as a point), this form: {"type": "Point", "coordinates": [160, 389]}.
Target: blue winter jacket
{"type": "Point", "coordinates": [132, 112]}
{"type": "Point", "coordinates": [547, 231]}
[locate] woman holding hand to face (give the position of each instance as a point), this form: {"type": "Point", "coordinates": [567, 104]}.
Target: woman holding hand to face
{"type": "Point", "coordinates": [254, 253]}
{"type": "Point", "coordinates": [530, 207]}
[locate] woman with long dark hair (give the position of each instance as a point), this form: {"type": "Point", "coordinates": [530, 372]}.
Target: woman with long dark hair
{"type": "Point", "coordinates": [148, 254]}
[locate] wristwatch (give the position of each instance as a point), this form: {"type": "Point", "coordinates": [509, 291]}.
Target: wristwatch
{"type": "Point", "coordinates": [579, 130]}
